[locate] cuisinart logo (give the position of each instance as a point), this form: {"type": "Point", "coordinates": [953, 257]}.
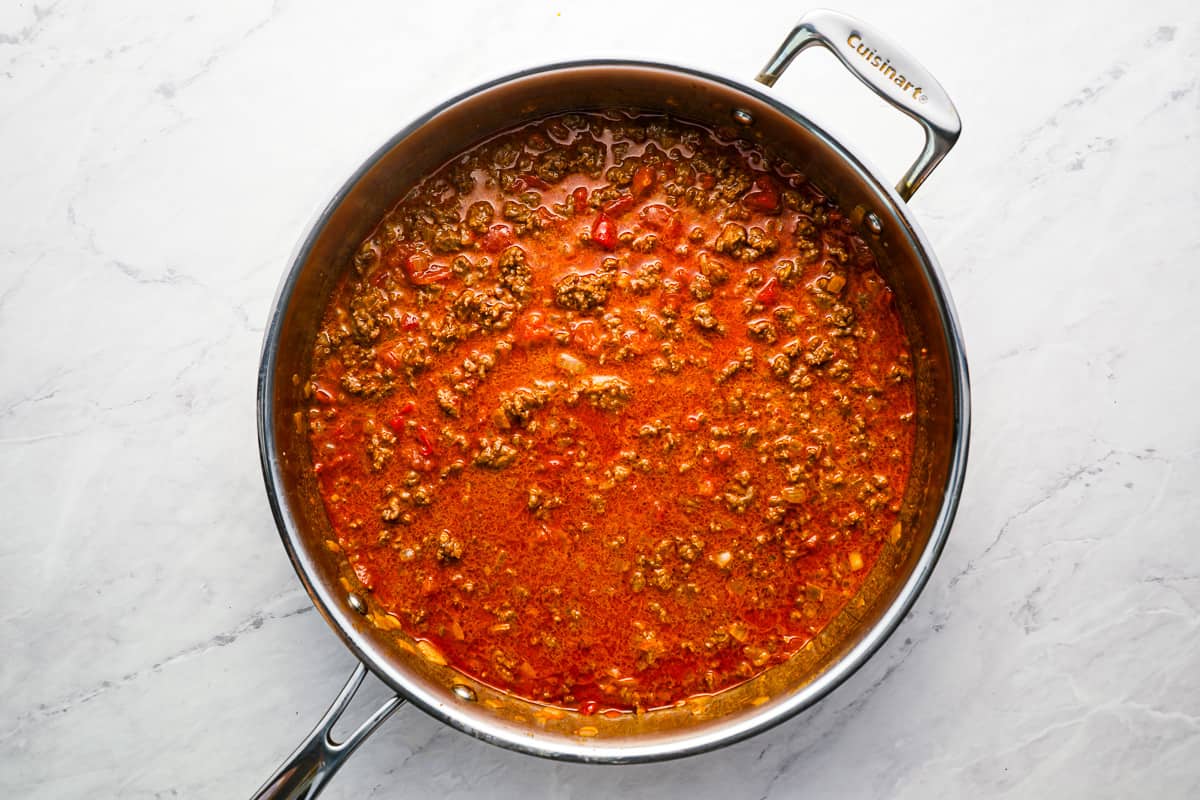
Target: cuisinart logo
{"type": "Point", "coordinates": [885, 66]}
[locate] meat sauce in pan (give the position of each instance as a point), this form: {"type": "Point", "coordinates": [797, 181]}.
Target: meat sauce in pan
{"type": "Point", "coordinates": [611, 411]}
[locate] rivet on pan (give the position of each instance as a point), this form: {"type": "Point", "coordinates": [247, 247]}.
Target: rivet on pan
{"type": "Point", "coordinates": [465, 692]}
{"type": "Point", "coordinates": [743, 116]}
{"type": "Point", "coordinates": [357, 603]}
{"type": "Point", "coordinates": [873, 223]}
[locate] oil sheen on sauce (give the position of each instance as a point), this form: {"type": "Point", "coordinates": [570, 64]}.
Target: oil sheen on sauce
{"type": "Point", "coordinates": [611, 411]}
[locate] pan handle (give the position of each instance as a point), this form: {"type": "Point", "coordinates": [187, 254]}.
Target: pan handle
{"type": "Point", "coordinates": [318, 757]}
{"type": "Point", "coordinates": [889, 71]}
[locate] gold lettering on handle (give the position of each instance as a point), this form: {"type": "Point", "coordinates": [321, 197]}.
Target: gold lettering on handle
{"type": "Point", "coordinates": [884, 65]}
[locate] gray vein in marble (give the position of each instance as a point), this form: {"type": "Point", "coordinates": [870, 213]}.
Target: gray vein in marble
{"type": "Point", "coordinates": [840, 718]}
{"type": "Point", "coordinates": [29, 33]}
{"type": "Point", "coordinates": [224, 639]}
{"type": "Point", "coordinates": [169, 89]}
{"type": "Point", "coordinates": [1102, 84]}
{"type": "Point", "coordinates": [1092, 468]}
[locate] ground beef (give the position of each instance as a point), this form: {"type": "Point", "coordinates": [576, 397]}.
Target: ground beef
{"type": "Point", "coordinates": [703, 318]}
{"type": "Point", "coordinates": [447, 239]}
{"type": "Point", "coordinates": [581, 292]}
{"type": "Point", "coordinates": [495, 453]}
{"type": "Point", "coordinates": [743, 245]}
{"type": "Point", "coordinates": [713, 270]}
{"type": "Point", "coordinates": [552, 165]}
{"type": "Point", "coordinates": [647, 279]}
{"type": "Point", "coordinates": [449, 549]}
{"type": "Point", "coordinates": [489, 310]}
{"type": "Point", "coordinates": [449, 403]}
{"type": "Point", "coordinates": [518, 405]}
{"type": "Point", "coordinates": [480, 216]}
{"type": "Point", "coordinates": [605, 392]}
{"type": "Point", "coordinates": [788, 273]}
{"type": "Point", "coordinates": [763, 330]}
{"type": "Point", "coordinates": [365, 314]}
{"type": "Point", "coordinates": [819, 354]}
{"type": "Point", "coordinates": [515, 274]}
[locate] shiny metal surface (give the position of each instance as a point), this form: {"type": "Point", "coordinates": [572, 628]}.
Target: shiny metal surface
{"type": "Point", "coordinates": [318, 757]}
{"type": "Point", "coordinates": [889, 71]}
{"type": "Point", "coordinates": [904, 258]}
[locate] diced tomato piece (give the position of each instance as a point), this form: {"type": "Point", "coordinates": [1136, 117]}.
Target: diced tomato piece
{"type": "Point", "coordinates": [643, 180]}
{"type": "Point", "coordinates": [604, 232]}
{"type": "Point", "coordinates": [399, 418]}
{"type": "Point", "coordinates": [657, 216]}
{"type": "Point", "coordinates": [424, 439]}
{"type": "Point", "coordinates": [408, 260]}
{"type": "Point", "coordinates": [410, 321]}
{"type": "Point", "coordinates": [765, 197]}
{"type": "Point", "coordinates": [585, 335]}
{"type": "Point", "coordinates": [497, 238]}
{"type": "Point", "coordinates": [768, 295]}
{"type": "Point", "coordinates": [535, 181]}
{"type": "Point", "coordinates": [579, 199]}
{"type": "Point", "coordinates": [531, 329]}
{"type": "Point", "coordinates": [393, 356]}
{"type": "Point", "coordinates": [762, 200]}
{"type": "Point", "coordinates": [619, 206]}
{"type": "Point", "coordinates": [323, 394]}
{"type": "Point", "coordinates": [435, 274]}
{"type": "Point", "coordinates": [416, 266]}
{"type": "Point", "coordinates": [706, 180]}
{"type": "Point", "coordinates": [589, 707]}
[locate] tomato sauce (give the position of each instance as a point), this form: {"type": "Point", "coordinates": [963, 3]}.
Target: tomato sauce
{"type": "Point", "coordinates": [611, 411]}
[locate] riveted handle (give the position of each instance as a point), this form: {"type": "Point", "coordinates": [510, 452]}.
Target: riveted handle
{"type": "Point", "coordinates": [318, 757]}
{"type": "Point", "coordinates": [889, 71]}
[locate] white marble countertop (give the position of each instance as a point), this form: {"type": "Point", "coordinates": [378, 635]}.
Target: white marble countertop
{"type": "Point", "coordinates": [159, 161]}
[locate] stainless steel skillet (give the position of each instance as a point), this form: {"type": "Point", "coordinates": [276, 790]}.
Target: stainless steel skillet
{"type": "Point", "coordinates": [905, 259]}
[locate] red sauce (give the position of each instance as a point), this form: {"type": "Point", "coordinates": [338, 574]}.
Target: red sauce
{"type": "Point", "coordinates": [611, 411]}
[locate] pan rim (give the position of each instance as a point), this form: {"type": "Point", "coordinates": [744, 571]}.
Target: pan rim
{"type": "Point", "coordinates": [684, 744]}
